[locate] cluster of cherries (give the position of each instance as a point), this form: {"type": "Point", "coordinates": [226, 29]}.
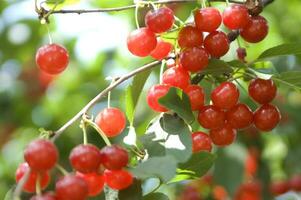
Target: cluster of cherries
{"type": "Point", "coordinates": [283, 186]}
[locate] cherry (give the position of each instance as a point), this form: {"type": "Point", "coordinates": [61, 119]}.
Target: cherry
{"type": "Point", "coordinates": [249, 191]}
{"type": "Point", "coordinates": [154, 94]}
{"type": "Point", "coordinates": [41, 155]}
{"type": "Point", "coordinates": [211, 117]}
{"type": "Point", "coordinates": [266, 117]}
{"type": "Point", "coordinates": [114, 157]}
{"type": "Point", "coordinates": [110, 116]}
{"type": "Point", "coordinates": [236, 17]}
{"type": "Point", "coordinates": [196, 96]}
{"type": "Point", "coordinates": [85, 158]}
{"type": "Point", "coordinates": [295, 183]}
{"type": "Point", "coordinates": [223, 136]}
{"type": "Point", "coordinates": [279, 187]}
{"type": "Point", "coordinates": [241, 54]}
{"type": "Point", "coordinates": [52, 58]}
{"type": "Point", "coordinates": [207, 19]}
{"type": "Point", "coordinates": [240, 116]}
{"type": "Point", "coordinates": [141, 42]}
{"type": "Point", "coordinates": [201, 142]}
{"type": "Point", "coordinates": [47, 196]}
{"type": "Point", "coordinates": [225, 96]}
{"type": "Point", "coordinates": [262, 91]}
{"type": "Point", "coordinates": [194, 59]}
{"type": "Point", "coordinates": [162, 50]}
{"type": "Point", "coordinates": [30, 184]}
{"type": "Point", "coordinates": [71, 187]}
{"type": "Point", "coordinates": [176, 77]}
{"type": "Point", "coordinates": [94, 181]}
{"type": "Point", "coordinates": [190, 36]}
{"type": "Point", "coordinates": [118, 179]}
{"type": "Point", "coordinates": [217, 44]}
{"type": "Point", "coordinates": [160, 20]}
{"type": "Point", "coordinates": [256, 30]}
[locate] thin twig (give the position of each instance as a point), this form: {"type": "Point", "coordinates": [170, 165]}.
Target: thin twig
{"type": "Point", "coordinates": [21, 183]}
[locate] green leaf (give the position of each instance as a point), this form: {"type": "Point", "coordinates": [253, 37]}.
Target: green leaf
{"type": "Point", "coordinates": [217, 67]}
{"type": "Point", "coordinates": [265, 67]}
{"type": "Point", "coordinates": [237, 64]}
{"type": "Point", "coordinates": [154, 147]}
{"type": "Point", "coordinates": [134, 192]}
{"type": "Point", "coordinates": [291, 79]}
{"type": "Point", "coordinates": [281, 50]}
{"type": "Point", "coordinates": [156, 196]}
{"type": "Point", "coordinates": [177, 101]}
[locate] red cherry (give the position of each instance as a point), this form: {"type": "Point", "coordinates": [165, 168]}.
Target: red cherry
{"type": "Point", "coordinates": [71, 187]}
{"type": "Point", "coordinates": [223, 136]}
{"type": "Point", "coordinates": [196, 96]}
{"type": "Point", "coordinates": [241, 54]}
{"type": "Point", "coordinates": [94, 181]}
{"type": "Point", "coordinates": [211, 117]}
{"type": "Point", "coordinates": [256, 30]}
{"type": "Point", "coordinates": [262, 91]}
{"type": "Point", "coordinates": [47, 196]}
{"type": "Point", "coordinates": [141, 42]}
{"type": "Point", "coordinates": [154, 94]}
{"type": "Point", "coordinates": [249, 191]}
{"type": "Point", "coordinates": [52, 58]}
{"type": "Point", "coordinates": [30, 184]}
{"type": "Point", "coordinates": [110, 116]}
{"type": "Point", "coordinates": [85, 158]}
{"type": "Point", "coordinates": [295, 183]}
{"type": "Point", "coordinates": [225, 96]}
{"type": "Point", "coordinates": [160, 20]}
{"type": "Point", "coordinates": [236, 17]}
{"type": "Point", "coordinates": [41, 155]}
{"type": "Point", "coordinates": [194, 59]}
{"type": "Point", "coordinates": [176, 77]}
{"type": "Point", "coordinates": [240, 116]}
{"type": "Point", "coordinates": [118, 179]}
{"type": "Point", "coordinates": [279, 187]}
{"type": "Point", "coordinates": [201, 142]}
{"type": "Point", "coordinates": [217, 44]}
{"type": "Point", "coordinates": [207, 19]}
{"type": "Point", "coordinates": [266, 117]}
{"type": "Point", "coordinates": [190, 36]}
{"type": "Point", "coordinates": [114, 157]}
{"type": "Point", "coordinates": [162, 50]}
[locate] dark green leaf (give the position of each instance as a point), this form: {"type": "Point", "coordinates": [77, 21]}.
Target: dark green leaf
{"type": "Point", "coordinates": [281, 50]}
{"type": "Point", "coordinates": [134, 192]}
{"type": "Point", "coordinates": [237, 64]}
{"type": "Point", "coordinates": [291, 79]}
{"type": "Point", "coordinates": [217, 67]}
{"type": "Point", "coordinates": [154, 147]}
{"type": "Point", "coordinates": [156, 196]}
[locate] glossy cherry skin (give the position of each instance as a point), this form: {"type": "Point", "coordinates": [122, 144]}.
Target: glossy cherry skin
{"type": "Point", "coordinates": [71, 187]}
{"type": "Point", "coordinates": [141, 42]}
{"type": "Point", "coordinates": [207, 19]}
{"type": "Point", "coordinates": [256, 30]}
{"type": "Point", "coordinates": [94, 181]}
{"type": "Point", "coordinates": [211, 117]}
{"type": "Point", "coordinates": [295, 183]}
{"type": "Point", "coordinates": [85, 158]}
{"type": "Point", "coordinates": [217, 44]}
{"type": "Point", "coordinates": [176, 77]}
{"type": "Point", "coordinates": [240, 116]}
{"type": "Point", "coordinates": [47, 196]}
{"type": "Point", "coordinates": [30, 184]}
{"type": "Point", "coordinates": [194, 59]}
{"type": "Point", "coordinates": [114, 157]}
{"type": "Point", "coordinates": [223, 136]}
{"type": "Point", "coordinates": [110, 116]}
{"type": "Point", "coordinates": [190, 36]}
{"type": "Point", "coordinates": [41, 155]}
{"type": "Point", "coordinates": [262, 91]}
{"type": "Point", "coordinates": [225, 96]}
{"type": "Point", "coordinates": [154, 94]}
{"type": "Point", "coordinates": [162, 50]}
{"type": "Point", "coordinates": [266, 117]}
{"type": "Point", "coordinates": [201, 142]}
{"type": "Point", "coordinates": [52, 58]}
{"type": "Point", "coordinates": [236, 17]}
{"type": "Point", "coordinates": [196, 96]}
{"type": "Point", "coordinates": [118, 179]}
{"type": "Point", "coordinates": [160, 20]}
{"type": "Point", "coordinates": [279, 187]}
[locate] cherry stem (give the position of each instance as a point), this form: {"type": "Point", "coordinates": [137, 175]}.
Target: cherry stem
{"type": "Point", "coordinates": [162, 70]}
{"type": "Point", "coordinates": [18, 190]}
{"type": "Point", "coordinates": [49, 35]}
{"type": "Point", "coordinates": [109, 99]}
{"type": "Point", "coordinates": [61, 169]}
{"type": "Point", "coordinates": [203, 3]}
{"type": "Point", "coordinates": [83, 126]}
{"type": "Point", "coordinates": [136, 16]}
{"type": "Point", "coordinates": [38, 185]}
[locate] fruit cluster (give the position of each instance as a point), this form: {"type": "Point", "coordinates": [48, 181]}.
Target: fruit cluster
{"type": "Point", "coordinates": [282, 186]}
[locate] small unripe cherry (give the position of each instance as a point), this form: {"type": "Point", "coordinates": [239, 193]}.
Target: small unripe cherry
{"type": "Point", "coordinates": [236, 17]}
{"type": "Point", "coordinates": [194, 59]}
{"type": "Point", "coordinates": [225, 96]}
{"type": "Point", "coordinates": [262, 91]}
{"type": "Point", "coordinates": [240, 116]}
{"type": "Point", "coordinates": [223, 136]}
{"type": "Point", "coordinates": [196, 96]}
{"type": "Point", "coordinates": [256, 30]}
{"type": "Point", "coordinates": [241, 54]}
{"type": "Point", "coordinates": [160, 20]}
{"type": "Point", "coordinates": [176, 77]}
{"type": "Point", "coordinates": [211, 117]}
{"type": "Point", "coordinates": [154, 94]}
{"type": "Point", "coordinates": [114, 157]}
{"type": "Point", "coordinates": [201, 142]}
{"type": "Point", "coordinates": [217, 44]}
{"type": "Point", "coordinates": [94, 181]}
{"type": "Point", "coordinates": [118, 179]}
{"type": "Point", "coordinates": [190, 36]}
{"type": "Point", "coordinates": [162, 50]}
{"type": "Point", "coordinates": [207, 19]}
{"type": "Point", "coordinates": [266, 117]}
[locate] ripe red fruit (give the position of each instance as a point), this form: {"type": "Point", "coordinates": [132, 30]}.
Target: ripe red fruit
{"type": "Point", "coordinates": [295, 183]}
{"type": "Point", "coordinates": [240, 116]}
{"type": "Point", "coordinates": [262, 91]}
{"type": "Point", "coordinates": [154, 94]}
{"type": "Point", "coordinates": [190, 36]}
{"type": "Point", "coordinates": [114, 157]}
{"type": "Point", "coordinates": [71, 187]}
{"type": "Point", "coordinates": [207, 19]}
{"type": "Point", "coordinates": [41, 155]}
{"type": "Point", "coordinates": [249, 191]}
{"type": "Point", "coordinates": [176, 77]}
{"type": "Point", "coordinates": [217, 44]}
{"type": "Point", "coordinates": [141, 42]}
{"type": "Point", "coordinates": [266, 117]}
{"type": "Point", "coordinates": [194, 59]}
{"type": "Point", "coordinates": [211, 117]}
{"type": "Point", "coordinates": [85, 158]}
{"type": "Point", "coordinates": [236, 17]}
{"type": "Point", "coordinates": [196, 96]}
{"type": "Point", "coordinates": [241, 54]}
{"type": "Point", "coordinates": [159, 20]}
{"type": "Point", "coordinates": [256, 30]}
{"type": "Point", "coordinates": [110, 116]}
{"type": "Point", "coordinates": [223, 136]}
{"type": "Point", "coordinates": [52, 58]}
{"type": "Point", "coordinates": [201, 142]}
{"type": "Point", "coordinates": [279, 187]}
{"type": "Point", "coordinates": [118, 179]}
{"type": "Point", "coordinates": [30, 184]}
{"type": "Point", "coordinates": [162, 50]}
{"type": "Point", "coordinates": [47, 196]}
{"type": "Point", "coordinates": [225, 96]}
{"type": "Point", "coordinates": [94, 181]}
